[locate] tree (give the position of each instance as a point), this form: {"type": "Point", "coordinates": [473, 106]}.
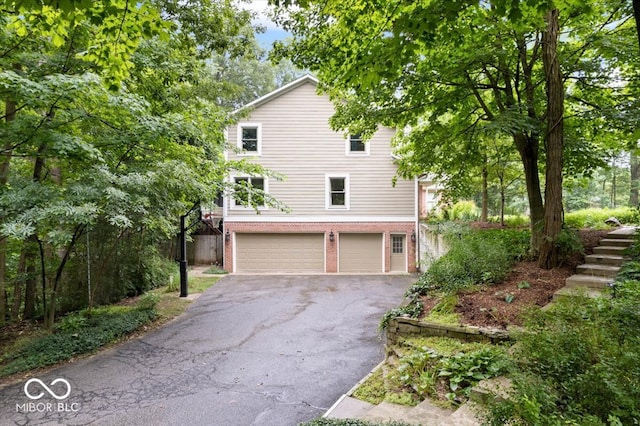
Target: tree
{"type": "Point", "coordinates": [124, 160]}
{"type": "Point", "coordinates": [458, 65]}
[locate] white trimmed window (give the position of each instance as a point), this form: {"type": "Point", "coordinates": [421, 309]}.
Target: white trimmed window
{"type": "Point", "coordinates": [337, 191]}
{"type": "Point", "coordinates": [356, 146]}
{"type": "Point", "coordinates": [249, 191]}
{"type": "Point", "coordinates": [250, 138]}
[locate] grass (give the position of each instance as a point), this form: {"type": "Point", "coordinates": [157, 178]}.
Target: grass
{"type": "Point", "coordinates": [86, 332]}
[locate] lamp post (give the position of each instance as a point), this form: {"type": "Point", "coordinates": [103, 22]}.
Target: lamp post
{"type": "Point", "coordinates": [183, 247]}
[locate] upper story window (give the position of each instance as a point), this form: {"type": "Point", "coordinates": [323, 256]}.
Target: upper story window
{"type": "Point", "coordinates": [249, 192]}
{"type": "Point", "coordinates": [250, 138]}
{"type": "Point", "coordinates": [337, 191]}
{"type": "Point", "coordinates": [356, 146]}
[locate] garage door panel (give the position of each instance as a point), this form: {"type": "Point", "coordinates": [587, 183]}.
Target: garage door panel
{"type": "Point", "coordinates": [279, 252]}
{"type": "Point", "coordinates": [360, 253]}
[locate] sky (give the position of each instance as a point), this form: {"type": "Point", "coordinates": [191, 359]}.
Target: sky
{"type": "Point", "coordinates": [273, 32]}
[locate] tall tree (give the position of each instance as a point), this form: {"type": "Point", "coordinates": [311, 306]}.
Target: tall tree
{"type": "Point", "coordinates": [457, 65]}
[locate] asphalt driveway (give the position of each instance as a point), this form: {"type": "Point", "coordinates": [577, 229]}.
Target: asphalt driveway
{"type": "Point", "coordinates": [252, 350]}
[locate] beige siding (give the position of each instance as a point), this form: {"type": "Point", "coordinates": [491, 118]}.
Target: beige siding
{"type": "Point", "coordinates": [298, 143]}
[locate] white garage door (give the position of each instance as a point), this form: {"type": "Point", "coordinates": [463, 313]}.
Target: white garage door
{"type": "Point", "coordinates": [360, 253]}
{"type": "Point", "coordinates": [280, 253]}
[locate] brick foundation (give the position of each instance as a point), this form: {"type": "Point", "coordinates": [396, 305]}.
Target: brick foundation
{"type": "Point", "coordinates": [388, 228]}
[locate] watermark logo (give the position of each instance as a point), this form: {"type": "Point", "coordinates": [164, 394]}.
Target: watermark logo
{"type": "Point", "coordinates": [58, 389]}
{"type": "Point", "coordinates": [47, 388]}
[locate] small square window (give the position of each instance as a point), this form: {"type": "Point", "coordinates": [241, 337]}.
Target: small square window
{"type": "Point", "coordinates": [249, 138]}
{"type": "Point", "coordinates": [397, 244]}
{"type": "Point", "coordinates": [249, 191]}
{"type": "Point", "coordinates": [338, 192]}
{"type": "Point", "coordinates": [356, 144]}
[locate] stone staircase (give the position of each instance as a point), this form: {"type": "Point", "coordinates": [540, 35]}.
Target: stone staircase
{"type": "Point", "coordinates": [601, 267]}
{"type": "Point", "coordinates": [425, 413]}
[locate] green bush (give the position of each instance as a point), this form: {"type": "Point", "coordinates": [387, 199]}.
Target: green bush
{"type": "Point", "coordinates": [77, 334]}
{"type": "Point", "coordinates": [578, 363]}
{"type": "Point", "coordinates": [462, 211]}
{"type": "Point", "coordinates": [474, 257]}
{"type": "Point", "coordinates": [512, 221]}
{"type": "Point", "coordinates": [594, 218]}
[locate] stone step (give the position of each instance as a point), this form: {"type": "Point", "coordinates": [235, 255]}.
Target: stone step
{"type": "Point", "coordinates": [577, 291]}
{"type": "Point", "coordinates": [386, 412]}
{"type": "Point", "coordinates": [598, 270]}
{"type": "Point", "coordinates": [463, 416]}
{"type": "Point", "coordinates": [614, 250]}
{"type": "Point", "coordinates": [626, 232]}
{"type": "Point", "coordinates": [616, 242]}
{"type": "Point", "coordinates": [605, 259]}
{"type": "Point", "coordinates": [427, 413]}
{"type": "Point", "coordinates": [590, 281]}
{"type": "Point", "coordinates": [348, 407]}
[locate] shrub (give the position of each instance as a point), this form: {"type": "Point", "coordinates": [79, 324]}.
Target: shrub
{"type": "Point", "coordinates": [462, 211]}
{"type": "Point", "coordinates": [474, 257]}
{"type": "Point", "coordinates": [594, 218]}
{"type": "Point", "coordinates": [75, 336]}
{"type": "Point", "coordinates": [577, 363]}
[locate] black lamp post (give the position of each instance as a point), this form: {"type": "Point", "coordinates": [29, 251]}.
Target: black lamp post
{"type": "Point", "coordinates": [183, 247]}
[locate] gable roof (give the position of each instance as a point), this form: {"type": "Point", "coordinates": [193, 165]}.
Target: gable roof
{"type": "Point", "coordinates": [307, 78]}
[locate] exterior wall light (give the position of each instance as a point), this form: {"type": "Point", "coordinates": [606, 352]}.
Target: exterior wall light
{"type": "Point", "coordinates": [413, 237]}
{"type": "Point", "coordinates": [227, 236]}
{"type": "Point", "coordinates": [332, 236]}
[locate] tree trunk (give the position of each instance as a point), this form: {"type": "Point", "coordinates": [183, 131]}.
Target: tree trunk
{"type": "Point", "coordinates": [635, 180]}
{"type": "Point", "coordinates": [484, 215]}
{"type": "Point", "coordinates": [549, 250]}
{"type": "Point", "coordinates": [502, 199]}
{"type": "Point", "coordinates": [30, 284]}
{"type": "Point", "coordinates": [528, 147]}
{"type": "Point", "coordinates": [10, 115]}
{"type": "Point", "coordinates": [17, 287]}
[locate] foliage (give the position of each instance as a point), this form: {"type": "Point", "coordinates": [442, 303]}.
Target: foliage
{"type": "Point", "coordinates": [475, 257]}
{"type": "Point", "coordinates": [595, 218]}
{"type": "Point", "coordinates": [454, 366]}
{"type": "Point", "coordinates": [461, 211]}
{"type": "Point", "coordinates": [148, 302]}
{"type": "Point", "coordinates": [458, 76]}
{"type": "Point", "coordinates": [413, 309]}
{"type": "Point", "coordinates": [77, 334]}
{"type": "Point", "coordinates": [511, 221]}
{"type": "Point", "coordinates": [577, 363]}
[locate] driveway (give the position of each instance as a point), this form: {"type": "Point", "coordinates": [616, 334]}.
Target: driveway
{"type": "Point", "coordinates": [252, 350]}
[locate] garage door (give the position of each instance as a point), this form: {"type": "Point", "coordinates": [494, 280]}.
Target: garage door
{"type": "Point", "coordinates": [280, 253]}
{"type": "Point", "coordinates": [360, 253]}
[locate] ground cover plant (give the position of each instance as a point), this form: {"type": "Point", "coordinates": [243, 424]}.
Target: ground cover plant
{"type": "Point", "coordinates": [28, 346]}
{"type": "Point", "coordinates": [577, 363]}
{"type": "Point", "coordinates": [76, 334]}
{"type": "Point", "coordinates": [439, 368]}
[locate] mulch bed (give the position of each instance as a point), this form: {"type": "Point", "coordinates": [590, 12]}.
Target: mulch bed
{"type": "Point", "coordinates": [526, 286]}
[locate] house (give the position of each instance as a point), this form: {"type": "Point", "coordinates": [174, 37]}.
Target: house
{"type": "Point", "coordinates": [345, 215]}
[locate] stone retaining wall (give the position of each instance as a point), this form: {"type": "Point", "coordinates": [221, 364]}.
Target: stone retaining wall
{"type": "Point", "coordinates": [400, 327]}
